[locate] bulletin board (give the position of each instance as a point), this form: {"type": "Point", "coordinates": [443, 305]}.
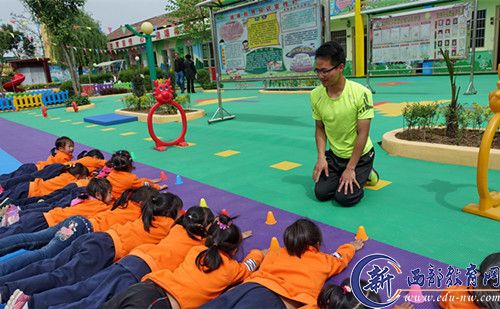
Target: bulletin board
{"type": "Point", "coordinates": [268, 39]}
{"type": "Point", "coordinates": [418, 36]}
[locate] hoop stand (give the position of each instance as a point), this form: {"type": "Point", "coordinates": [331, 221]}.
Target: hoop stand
{"type": "Point", "coordinates": [219, 113]}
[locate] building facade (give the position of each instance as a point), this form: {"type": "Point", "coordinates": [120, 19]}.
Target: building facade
{"type": "Point", "coordinates": [487, 52]}
{"type": "Point", "coordinates": [168, 39]}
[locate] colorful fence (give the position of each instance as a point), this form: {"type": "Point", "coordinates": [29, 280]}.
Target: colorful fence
{"type": "Point", "coordinates": [121, 85]}
{"type": "Point", "coordinates": [39, 91]}
{"type": "Point", "coordinates": [6, 104]}
{"type": "Point", "coordinates": [88, 89]}
{"type": "Point", "coordinates": [27, 101]}
{"type": "Point", "coordinates": [99, 87]}
{"type": "Point", "coordinates": [51, 98]}
{"type": "Point", "coordinates": [18, 101]}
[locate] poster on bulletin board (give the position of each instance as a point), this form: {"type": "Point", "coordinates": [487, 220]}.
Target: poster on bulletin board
{"type": "Point", "coordinates": [273, 38]}
{"type": "Point", "coordinates": [420, 35]}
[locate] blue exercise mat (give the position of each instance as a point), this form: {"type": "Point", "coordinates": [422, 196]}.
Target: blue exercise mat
{"type": "Point", "coordinates": [109, 119]}
{"type": "Point", "coordinates": [9, 163]}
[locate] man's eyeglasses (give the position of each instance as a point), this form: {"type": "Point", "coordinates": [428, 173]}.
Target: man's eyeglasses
{"type": "Point", "coordinates": [324, 72]}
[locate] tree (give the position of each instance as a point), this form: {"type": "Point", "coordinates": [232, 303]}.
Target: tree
{"type": "Point", "coordinates": [29, 26]}
{"type": "Point", "coordinates": [451, 113]}
{"type": "Point", "coordinates": [195, 21]}
{"type": "Point", "coordinates": [60, 18]}
{"type": "Point", "coordinates": [9, 40]}
{"type": "Point", "coordinates": [87, 35]}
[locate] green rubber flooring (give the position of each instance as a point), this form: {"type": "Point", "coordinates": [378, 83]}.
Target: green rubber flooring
{"type": "Point", "coordinates": [420, 211]}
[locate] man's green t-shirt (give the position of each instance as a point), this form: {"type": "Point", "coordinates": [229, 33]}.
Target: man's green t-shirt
{"type": "Point", "coordinates": [340, 116]}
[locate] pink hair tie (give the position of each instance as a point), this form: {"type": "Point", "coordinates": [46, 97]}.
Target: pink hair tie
{"type": "Point", "coordinates": [78, 200]}
{"type": "Point", "coordinates": [104, 172]}
{"type": "Point", "coordinates": [221, 225]}
{"type": "Point", "coordinates": [346, 289]}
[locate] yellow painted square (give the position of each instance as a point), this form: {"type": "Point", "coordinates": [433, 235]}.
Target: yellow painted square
{"type": "Point", "coordinates": [128, 133]}
{"type": "Point", "coordinates": [189, 145]}
{"type": "Point", "coordinates": [78, 122]}
{"type": "Point", "coordinates": [67, 120]}
{"type": "Point", "coordinates": [108, 129]}
{"type": "Point", "coordinates": [91, 126]}
{"type": "Point", "coordinates": [380, 184]}
{"type": "Point", "coordinates": [285, 165]}
{"type": "Point", "coordinates": [227, 153]}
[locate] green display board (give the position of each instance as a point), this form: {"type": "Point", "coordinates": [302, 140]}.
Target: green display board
{"type": "Point", "coordinates": [274, 38]}
{"type": "Point", "coordinates": [346, 7]}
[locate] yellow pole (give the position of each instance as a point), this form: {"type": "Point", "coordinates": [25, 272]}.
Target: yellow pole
{"type": "Point", "coordinates": [359, 34]}
{"type": "Point", "coordinates": [488, 201]}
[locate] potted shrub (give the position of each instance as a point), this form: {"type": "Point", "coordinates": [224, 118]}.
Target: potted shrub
{"type": "Point", "coordinates": [139, 103]}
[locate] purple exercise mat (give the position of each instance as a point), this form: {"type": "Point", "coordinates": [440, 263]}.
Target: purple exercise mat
{"type": "Point", "coordinates": [252, 213]}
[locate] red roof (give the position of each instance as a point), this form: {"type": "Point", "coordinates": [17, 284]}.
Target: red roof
{"type": "Point", "coordinates": [161, 21]}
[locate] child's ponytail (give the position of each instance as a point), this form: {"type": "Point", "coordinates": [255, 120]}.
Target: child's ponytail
{"type": "Point", "coordinates": [225, 236]}
{"type": "Point", "coordinates": [120, 162]}
{"type": "Point", "coordinates": [195, 221]}
{"type": "Point", "coordinates": [483, 297]}
{"type": "Point", "coordinates": [78, 170]}
{"type": "Point", "coordinates": [139, 195]}
{"type": "Point", "coordinates": [96, 153]}
{"type": "Point", "coordinates": [163, 204]}
{"type": "Point", "coordinates": [341, 297]}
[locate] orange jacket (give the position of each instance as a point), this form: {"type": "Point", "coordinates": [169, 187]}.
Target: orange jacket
{"type": "Point", "coordinates": [90, 163]}
{"type": "Point", "coordinates": [121, 181]}
{"type": "Point", "coordinates": [86, 208]}
{"type": "Point", "coordinates": [300, 279]}
{"type": "Point", "coordinates": [169, 252]}
{"type": "Point", "coordinates": [60, 157]}
{"type": "Point", "coordinates": [131, 234]}
{"type": "Point", "coordinates": [105, 219]}
{"type": "Point", "coordinates": [40, 187]}
{"type": "Point", "coordinates": [192, 288]}
{"type": "Point", "coordinates": [457, 297]}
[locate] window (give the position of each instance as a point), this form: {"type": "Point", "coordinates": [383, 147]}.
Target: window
{"type": "Point", "coordinates": [341, 38]}
{"type": "Point", "coordinates": [208, 55]}
{"type": "Point", "coordinates": [480, 27]}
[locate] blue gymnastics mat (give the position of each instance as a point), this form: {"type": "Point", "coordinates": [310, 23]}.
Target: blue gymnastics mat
{"type": "Point", "coordinates": [109, 119]}
{"type": "Point", "coordinates": [9, 163]}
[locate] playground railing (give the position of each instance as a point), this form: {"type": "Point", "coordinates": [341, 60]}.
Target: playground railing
{"type": "Point", "coordinates": [51, 98]}
{"type": "Point", "coordinates": [6, 104]}
{"type": "Point", "coordinates": [99, 87]}
{"type": "Point", "coordinates": [88, 89]}
{"type": "Point", "coordinates": [39, 91]}
{"type": "Point", "coordinates": [122, 85]}
{"type": "Point", "coordinates": [27, 101]}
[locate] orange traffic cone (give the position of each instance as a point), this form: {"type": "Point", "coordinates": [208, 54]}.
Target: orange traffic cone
{"type": "Point", "coordinates": [270, 220]}
{"type": "Point", "coordinates": [44, 111]}
{"type": "Point", "coordinates": [361, 234]}
{"type": "Point", "coordinates": [163, 176]}
{"type": "Point", "coordinates": [274, 245]}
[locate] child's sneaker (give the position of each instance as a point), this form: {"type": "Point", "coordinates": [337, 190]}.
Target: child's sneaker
{"type": "Point", "coordinates": [17, 300]}
{"type": "Point", "coordinates": [21, 302]}
{"type": "Point", "coordinates": [11, 216]}
{"type": "Point", "coordinates": [373, 178]}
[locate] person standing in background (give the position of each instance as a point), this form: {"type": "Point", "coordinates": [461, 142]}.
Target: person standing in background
{"type": "Point", "coordinates": [190, 72]}
{"type": "Point", "coordinates": [179, 71]}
